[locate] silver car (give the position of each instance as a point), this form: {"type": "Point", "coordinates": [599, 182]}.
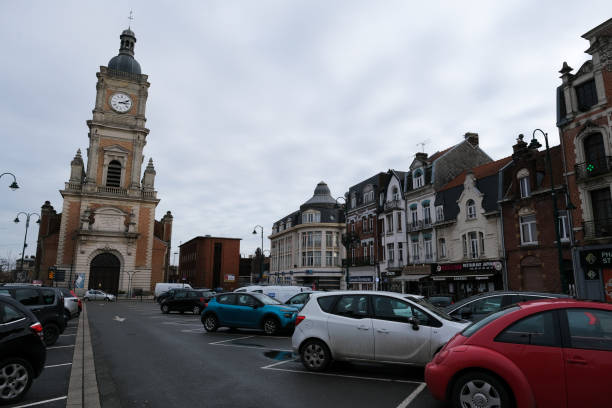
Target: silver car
{"type": "Point", "coordinates": [384, 327]}
{"type": "Point", "coordinates": [95, 294]}
{"type": "Point", "coordinates": [71, 304]}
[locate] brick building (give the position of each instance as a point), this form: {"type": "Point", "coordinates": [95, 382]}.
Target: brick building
{"type": "Point", "coordinates": [210, 262]}
{"type": "Point", "coordinates": [106, 235]}
{"type": "Point", "coordinates": [584, 119]}
{"type": "Point", "coordinates": [528, 221]}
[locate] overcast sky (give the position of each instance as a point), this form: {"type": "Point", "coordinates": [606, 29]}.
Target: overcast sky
{"type": "Point", "coordinates": [252, 103]}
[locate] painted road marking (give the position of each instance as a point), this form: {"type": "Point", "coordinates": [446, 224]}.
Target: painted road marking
{"type": "Point", "coordinates": [58, 365]}
{"type": "Point", "coordinates": [57, 347]}
{"type": "Point", "coordinates": [42, 402]}
{"type": "Point", "coordinates": [412, 396]}
{"type": "Point", "coordinates": [236, 338]}
{"type": "Point", "coordinates": [66, 335]}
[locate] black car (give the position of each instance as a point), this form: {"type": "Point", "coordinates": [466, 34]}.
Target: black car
{"type": "Point", "coordinates": [441, 300]}
{"type": "Point", "coordinates": [22, 350]}
{"type": "Point", "coordinates": [186, 301]}
{"type": "Point", "coordinates": [478, 306]}
{"type": "Point", "coordinates": [47, 304]}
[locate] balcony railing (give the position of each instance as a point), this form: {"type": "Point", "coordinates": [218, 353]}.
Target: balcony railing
{"type": "Point", "coordinates": [73, 186]}
{"type": "Point", "coordinates": [393, 205]}
{"type": "Point", "coordinates": [414, 226]}
{"type": "Point", "coordinates": [395, 263]}
{"type": "Point", "coordinates": [601, 228]}
{"type": "Point", "coordinates": [358, 261]}
{"type": "Point", "coordinates": [594, 168]}
{"type": "Point", "coordinates": [112, 190]}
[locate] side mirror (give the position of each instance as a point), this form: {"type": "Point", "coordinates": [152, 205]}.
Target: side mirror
{"type": "Point", "coordinates": [414, 322]}
{"type": "Point", "coordinates": [255, 305]}
{"type": "Point", "coordinates": [465, 312]}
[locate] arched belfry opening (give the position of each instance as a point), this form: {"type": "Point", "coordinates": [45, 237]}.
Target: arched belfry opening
{"type": "Point", "coordinates": [104, 273]}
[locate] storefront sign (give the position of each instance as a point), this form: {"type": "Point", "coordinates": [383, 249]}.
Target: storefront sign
{"type": "Point", "coordinates": [229, 277]}
{"type": "Point", "coordinates": [470, 267]}
{"type": "Point", "coordinates": [597, 258]}
{"type": "Point", "coordinates": [361, 279]}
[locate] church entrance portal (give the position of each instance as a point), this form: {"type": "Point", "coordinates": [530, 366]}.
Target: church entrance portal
{"type": "Point", "coordinates": [104, 273]}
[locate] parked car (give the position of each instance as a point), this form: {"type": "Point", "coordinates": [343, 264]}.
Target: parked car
{"type": "Point", "coordinates": [441, 300]}
{"type": "Point", "coordinates": [478, 306]}
{"type": "Point", "coordinates": [248, 310]}
{"type": "Point", "coordinates": [278, 292]}
{"type": "Point", "coordinates": [545, 353]}
{"type": "Point", "coordinates": [185, 301]}
{"type": "Point", "coordinates": [46, 303]}
{"type": "Point", "coordinates": [22, 350]}
{"type": "Point", "coordinates": [166, 286]}
{"type": "Point", "coordinates": [95, 294]}
{"type": "Point", "coordinates": [169, 293]}
{"type": "Point", "coordinates": [71, 303]}
{"type": "Point", "coordinates": [300, 299]}
{"type": "Point", "coordinates": [385, 327]}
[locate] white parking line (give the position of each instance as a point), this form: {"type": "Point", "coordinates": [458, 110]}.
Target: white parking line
{"type": "Point", "coordinates": [42, 402]}
{"type": "Point", "coordinates": [66, 335]}
{"type": "Point", "coordinates": [57, 347]}
{"type": "Point", "coordinates": [278, 363]}
{"type": "Point", "coordinates": [58, 365]}
{"type": "Point", "coordinates": [236, 338]}
{"type": "Point", "coordinates": [412, 396]}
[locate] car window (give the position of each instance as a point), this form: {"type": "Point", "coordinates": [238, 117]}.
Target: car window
{"type": "Point", "coordinates": [5, 292]}
{"type": "Point", "coordinates": [180, 295]}
{"type": "Point", "coordinates": [388, 308]}
{"type": "Point", "coordinates": [27, 296]}
{"type": "Point", "coordinates": [265, 299]}
{"type": "Point", "coordinates": [65, 292]}
{"type": "Point", "coordinates": [226, 299]}
{"type": "Point", "coordinates": [299, 299]}
{"type": "Point", "coordinates": [355, 306]}
{"type": "Point", "coordinates": [487, 305]}
{"type": "Point", "coordinates": [527, 298]}
{"type": "Point", "coordinates": [10, 314]}
{"type": "Point", "coordinates": [245, 300]}
{"type": "Point", "coordinates": [537, 330]}
{"type": "Point", "coordinates": [326, 302]}
{"type": "Point", "coordinates": [48, 296]}
{"type": "Point", "coordinates": [590, 329]}
{"type": "Point", "coordinates": [473, 328]}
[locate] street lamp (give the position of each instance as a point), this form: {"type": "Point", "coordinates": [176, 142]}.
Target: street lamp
{"type": "Point", "coordinates": [535, 144]}
{"type": "Point", "coordinates": [16, 220]}
{"type": "Point", "coordinates": [348, 238]}
{"type": "Point", "coordinates": [13, 186]}
{"type": "Point", "coordinates": [261, 260]}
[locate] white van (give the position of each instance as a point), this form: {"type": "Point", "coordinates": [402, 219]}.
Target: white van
{"type": "Point", "coordinates": [164, 287]}
{"type": "Point", "coordinates": [280, 293]}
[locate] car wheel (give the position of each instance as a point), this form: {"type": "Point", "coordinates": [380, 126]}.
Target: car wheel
{"type": "Point", "coordinates": [15, 379]}
{"type": "Point", "coordinates": [270, 326]}
{"type": "Point", "coordinates": [165, 309]}
{"type": "Point", "coordinates": [107, 299]}
{"type": "Point", "coordinates": [197, 310]}
{"type": "Point", "coordinates": [50, 334]}
{"type": "Point", "coordinates": [315, 355]}
{"type": "Point", "coordinates": [478, 389]}
{"type": "Point", "coordinates": [211, 323]}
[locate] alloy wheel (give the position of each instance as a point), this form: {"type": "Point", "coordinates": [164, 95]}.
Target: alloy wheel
{"type": "Point", "coordinates": [270, 326]}
{"type": "Point", "coordinates": [314, 356]}
{"type": "Point", "coordinates": [14, 380]}
{"type": "Point", "coordinates": [479, 393]}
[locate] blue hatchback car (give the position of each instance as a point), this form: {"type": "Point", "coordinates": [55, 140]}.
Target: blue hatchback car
{"type": "Point", "coordinates": [249, 310]}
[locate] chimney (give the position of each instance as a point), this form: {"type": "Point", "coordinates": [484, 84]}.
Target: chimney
{"type": "Point", "coordinates": [421, 156]}
{"type": "Point", "coordinates": [472, 138]}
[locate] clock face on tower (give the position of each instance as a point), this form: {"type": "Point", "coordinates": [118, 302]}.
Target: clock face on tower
{"type": "Point", "coordinates": [120, 102]}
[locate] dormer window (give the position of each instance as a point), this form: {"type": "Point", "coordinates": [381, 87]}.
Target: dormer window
{"type": "Point", "coordinates": [471, 209]}
{"type": "Point", "coordinates": [113, 174]}
{"type": "Point", "coordinates": [586, 94]}
{"type": "Point", "coordinates": [353, 201]}
{"type": "Point", "coordinates": [524, 185]}
{"type": "Point", "coordinates": [439, 213]}
{"type": "Point", "coordinates": [396, 194]}
{"type": "Point", "coordinates": [417, 179]}
{"type": "Point", "coordinates": [311, 217]}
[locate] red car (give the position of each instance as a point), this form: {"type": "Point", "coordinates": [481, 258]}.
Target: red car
{"type": "Point", "coordinates": [544, 353]}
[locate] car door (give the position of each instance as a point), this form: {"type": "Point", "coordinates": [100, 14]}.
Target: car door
{"type": "Point", "coordinates": [533, 344]}
{"type": "Point", "coordinates": [349, 328]}
{"type": "Point", "coordinates": [299, 299]}
{"type": "Point", "coordinates": [225, 308]}
{"type": "Point", "coordinates": [588, 357]}
{"type": "Point", "coordinates": [12, 322]}
{"type": "Point", "coordinates": [177, 302]}
{"type": "Point", "coordinates": [30, 298]}
{"type": "Point", "coordinates": [246, 314]}
{"type": "Point", "coordinates": [395, 338]}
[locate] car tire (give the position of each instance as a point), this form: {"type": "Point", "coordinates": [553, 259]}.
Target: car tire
{"type": "Point", "coordinates": [51, 333]}
{"type": "Point", "coordinates": [211, 323]}
{"type": "Point", "coordinates": [315, 355]}
{"type": "Point", "coordinates": [16, 376]}
{"type": "Point", "coordinates": [271, 326]}
{"type": "Point", "coordinates": [480, 389]}
{"type": "Point", "coordinates": [197, 310]}
{"type": "Point", "coordinates": [165, 309]}
{"type": "Point", "coordinates": [107, 299]}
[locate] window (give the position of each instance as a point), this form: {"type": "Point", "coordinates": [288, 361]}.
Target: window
{"type": "Point", "coordinates": [48, 296]}
{"type": "Point", "coordinates": [355, 306]}
{"type": "Point", "coordinates": [113, 174]}
{"type": "Point", "coordinates": [417, 178]}
{"type": "Point", "coordinates": [390, 252]}
{"type": "Point", "coordinates": [471, 209]}
{"type": "Point", "coordinates": [389, 223]}
{"type": "Point", "coordinates": [316, 239]}
{"type": "Point", "coordinates": [352, 226]}
{"type": "Point", "coordinates": [353, 201]}
{"type": "Point", "coordinates": [364, 224]}
{"type": "Point", "coordinates": [27, 296]}
{"type": "Point", "coordinates": [524, 186]}
{"type": "Point", "coordinates": [563, 226]}
{"type": "Point", "coordinates": [364, 248]}
{"type": "Point", "coordinates": [371, 251]}
{"type": "Point", "coordinates": [396, 195]}
{"type": "Point", "coordinates": [482, 243]}
{"type": "Point", "coordinates": [245, 300]}
{"type": "Point", "coordinates": [586, 94]}
{"type": "Point", "coordinates": [439, 213]}
{"type": "Point", "coordinates": [426, 215]}
{"type": "Point", "coordinates": [368, 196]}
{"type": "Point", "coordinates": [399, 222]}
{"type": "Point", "coordinates": [400, 251]}
{"type": "Point", "coordinates": [386, 308]}
{"type": "Point", "coordinates": [229, 299]}
{"type": "Point", "coordinates": [590, 329]}
{"type": "Point", "coordinates": [415, 251]}
{"type": "Point", "coordinates": [529, 233]}
{"type": "Point", "coordinates": [414, 215]}
{"type": "Point", "coordinates": [328, 239]}
{"type": "Point", "coordinates": [428, 249]}
{"type": "Point", "coordinates": [465, 248]}
{"type": "Point", "coordinates": [442, 247]}
{"type": "Point", "coordinates": [311, 217]}
{"type": "Point", "coordinates": [537, 330]}
{"type": "Point", "coordinates": [371, 223]}
{"type": "Point", "coordinates": [473, 244]}
{"type": "Point", "coordinates": [317, 258]}
{"type": "Point", "coordinates": [10, 314]}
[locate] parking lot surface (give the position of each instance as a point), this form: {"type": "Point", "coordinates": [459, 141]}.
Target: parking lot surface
{"type": "Point", "coordinates": [50, 390]}
{"type": "Point", "coordinates": [148, 359]}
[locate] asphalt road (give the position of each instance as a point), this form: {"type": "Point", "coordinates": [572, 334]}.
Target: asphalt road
{"type": "Point", "coordinates": [147, 359]}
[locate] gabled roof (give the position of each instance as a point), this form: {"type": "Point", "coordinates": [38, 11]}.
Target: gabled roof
{"type": "Point", "coordinates": [437, 155]}
{"type": "Point", "coordinates": [479, 172]}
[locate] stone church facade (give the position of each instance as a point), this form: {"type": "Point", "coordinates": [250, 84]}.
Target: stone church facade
{"type": "Point", "coordinates": [106, 236]}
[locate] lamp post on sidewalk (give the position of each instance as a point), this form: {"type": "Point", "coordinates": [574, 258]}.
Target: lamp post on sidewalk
{"type": "Point", "coordinates": [13, 186]}
{"type": "Point", "coordinates": [262, 249]}
{"type": "Point", "coordinates": [20, 276]}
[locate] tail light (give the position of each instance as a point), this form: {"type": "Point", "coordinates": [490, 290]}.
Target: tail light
{"type": "Point", "coordinates": [299, 319]}
{"type": "Point", "coordinates": [38, 329]}
{"type": "Point", "coordinates": [206, 305]}
{"type": "Point", "coordinates": [201, 300]}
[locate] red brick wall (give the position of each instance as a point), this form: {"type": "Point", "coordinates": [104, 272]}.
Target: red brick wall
{"type": "Point", "coordinates": [158, 262]}
{"type": "Point", "coordinates": [73, 215]}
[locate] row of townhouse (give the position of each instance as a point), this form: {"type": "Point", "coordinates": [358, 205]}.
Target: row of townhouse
{"type": "Point", "coordinates": [459, 222]}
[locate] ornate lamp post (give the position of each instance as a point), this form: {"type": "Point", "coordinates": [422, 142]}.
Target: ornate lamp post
{"type": "Point", "coordinates": [20, 276]}
{"type": "Point", "coordinates": [262, 254]}
{"type": "Point", "coordinates": [13, 186]}
{"type": "Point", "coordinates": [535, 144]}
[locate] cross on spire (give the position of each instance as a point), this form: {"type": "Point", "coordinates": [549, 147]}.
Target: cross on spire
{"type": "Point", "coordinates": [131, 17]}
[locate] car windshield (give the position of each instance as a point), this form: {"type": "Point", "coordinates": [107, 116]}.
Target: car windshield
{"type": "Point", "coordinates": [473, 328]}
{"type": "Point", "coordinates": [265, 299]}
{"type": "Point", "coordinates": [433, 309]}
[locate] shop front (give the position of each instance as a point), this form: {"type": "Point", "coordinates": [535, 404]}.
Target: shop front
{"type": "Point", "coordinates": [361, 282]}
{"type": "Point", "coordinates": [466, 278]}
{"type": "Point", "coordinates": [596, 273]}
{"type": "Point", "coordinates": [318, 280]}
{"type": "Point", "coordinates": [412, 279]}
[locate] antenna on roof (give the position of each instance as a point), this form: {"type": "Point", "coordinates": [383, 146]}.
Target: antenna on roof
{"type": "Point", "coordinates": [422, 144]}
{"type": "Point", "coordinates": [131, 17]}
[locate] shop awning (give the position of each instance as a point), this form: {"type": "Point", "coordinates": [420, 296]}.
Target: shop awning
{"type": "Point", "coordinates": [409, 277]}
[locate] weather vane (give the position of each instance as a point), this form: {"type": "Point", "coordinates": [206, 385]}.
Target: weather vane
{"type": "Point", "coordinates": [131, 17]}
